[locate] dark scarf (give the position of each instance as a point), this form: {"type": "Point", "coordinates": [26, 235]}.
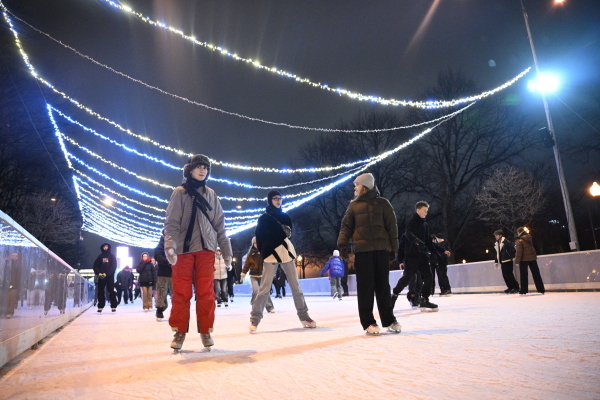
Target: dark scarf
{"type": "Point", "coordinates": [275, 212]}
{"type": "Point", "coordinates": [199, 203]}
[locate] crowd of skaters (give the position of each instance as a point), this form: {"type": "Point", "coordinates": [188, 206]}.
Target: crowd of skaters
{"type": "Point", "coordinates": [194, 255]}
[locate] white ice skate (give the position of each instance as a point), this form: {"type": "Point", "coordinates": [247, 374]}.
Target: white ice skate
{"type": "Point", "coordinates": [372, 330]}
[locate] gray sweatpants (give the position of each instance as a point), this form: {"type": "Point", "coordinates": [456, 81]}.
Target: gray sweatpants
{"type": "Point", "coordinates": [336, 286]}
{"type": "Point", "coordinates": [255, 280]}
{"type": "Point", "coordinates": [163, 287]}
{"type": "Point", "coordinates": [264, 291]}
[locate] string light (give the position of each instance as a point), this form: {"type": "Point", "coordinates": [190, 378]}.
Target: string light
{"type": "Point", "coordinates": [125, 221]}
{"type": "Point", "coordinates": [165, 163]}
{"type": "Point", "coordinates": [342, 92]}
{"type": "Point", "coordinates": [329, 130]}
{"type": "Point", "coordinates": [10, 237]}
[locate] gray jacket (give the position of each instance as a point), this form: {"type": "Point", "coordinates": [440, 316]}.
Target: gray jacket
{"type": "Point", "coordinates": [207, 235]}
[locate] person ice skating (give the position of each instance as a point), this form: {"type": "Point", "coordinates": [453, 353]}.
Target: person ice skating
{"type": "Point", "coordinates": [273, 233]}
{"type": "Point", "coordinates": [124, 284]}
{"type": "Point", "coordinates": [163, 281]}
{"type": "Point", "coordinates": [105, 267]}
{"type": "Point", "coordinates": [526, 257]}
{"type": "Point", "coordinates": [439, 264]}
{"type": "Point", "coordinates": [146, 279]}
{"type": "Point", "coordinates": [194, 227]}
{"type": "Point", "coordinates": [254, 267]}
{"type": "Point", "coordinates": [504, 252]}
{"type": "Point", "coordinates": [418, 248]}
{"type": "Point", "coordinates": [370, 222]}
{"type": "Point", "coordinates": [415, 284]}
{"type": "Point", "coordinates": [231, 279]}
{"type": "Point", "coordinates": [220, 279]}
{"type": "Point", "coordinates": [335, 267]}
{"type": "Point", "coordinates": [279, 282]}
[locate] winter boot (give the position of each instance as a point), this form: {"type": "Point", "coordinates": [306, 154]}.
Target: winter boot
{"type": "Point", "coordinates": [414, 301]}
{"type": "Point", "coordinates": [426, 306]}
{"type": "Point", "coordinates": [178, 339]}
{"type": "Point", "coordinates": [159, 313]}
{"type": "Point", "coordinates": [372, 330]}
{"type": "Point", "coordinates": [207, 341]}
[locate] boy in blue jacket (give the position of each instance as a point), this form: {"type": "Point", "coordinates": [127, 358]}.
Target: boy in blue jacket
{"type": "Point", "coordinates": [335, 266]}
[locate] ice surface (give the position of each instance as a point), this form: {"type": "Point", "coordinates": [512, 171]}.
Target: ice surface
{"type": "Point", "coordinates": [486, 346]}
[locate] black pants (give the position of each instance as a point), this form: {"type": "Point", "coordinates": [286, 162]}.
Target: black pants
{"type": "Point", "coordinates": [373, 278]}
{"type": "Point", "coordinates": [442, 274]}
{"type": "Point", "coordinates": [344, 283]}
{"type": "Point", "coordinates": [123, 293]}
{"type": "Point", "coordinates": [109, 284]}
{"type": "Point", "coordinates": [415, 286]}
{"type": "Point", "coordinates": [509, 277]}
{"type": "Point", "coordinates": [535, 273]}
{"type": "Point", "coordinates": [413, 264]}
{"type": "Point", "coordinates": [280, 289]}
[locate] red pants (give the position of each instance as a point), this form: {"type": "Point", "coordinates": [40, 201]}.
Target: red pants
{"type": "Point", "coordinates": [193, 269]}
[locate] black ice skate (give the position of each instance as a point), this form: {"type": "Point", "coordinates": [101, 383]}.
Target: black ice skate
{"type": "Point", "coordinates": [159, 314]}
{"type": "Point", "coordinates": [414, 301]}
{"type": "Point", "coordinates": [426, 306]}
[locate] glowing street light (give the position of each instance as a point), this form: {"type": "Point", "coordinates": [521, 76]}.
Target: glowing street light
{"type": "Point", "coordinates": [544, 83]}
{"type": "Point", "coordinates": [574, 243]}
{"type": "Point", "coordinates": [595, 189]}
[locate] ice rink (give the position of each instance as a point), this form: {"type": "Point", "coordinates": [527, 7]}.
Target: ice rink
{"type": "Point", "coordinates": [481, 346]}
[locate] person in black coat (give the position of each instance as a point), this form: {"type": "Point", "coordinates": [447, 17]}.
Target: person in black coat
{"type": "Point", "coordinates": [279, 282]}
{"type": "Point", "coordinates": [418, 249]}
{"type": "Point", "coordinates": [146, 279]}
{"type": "Point", "coordinates": [504, 252]}
{"type": "Point", "coordinates": [105, 266]}
{"type": "Point", "coordinates": [439, 264]}
{"type": "Point", "coordinates": [164, 284]}
{"type": "Point", "coordinates": [124, 284]}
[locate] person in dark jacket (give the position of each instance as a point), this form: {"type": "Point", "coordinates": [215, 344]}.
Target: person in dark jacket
{"type": "Point", "coordinates": [11, 282]}
{"type": "Point", "coordinates": [146, 279]}
{"type": "Point", "coordinates": [418, 249]}
{"type": "Point", "coordinates": [124, 284]}
{"type": "Point", "coordinates": [231, 279]}
{"type": "Point", "coordinates": [415, 284]}
{"type": "Point", "coordinates": [527, 257]}
{"type": "Point", "coordinates": [336, 268]}
{"type": "Point", "coordinates": [439, 264]}
{"type": "Point", "coordinates": [254, 267]}
{"type": "Point", "coordinates": [163, 280]}
{"type": "Point", "coordinates": [504, 252]}
{"type": "Point", "coordinates": [279, 283]}
{"type": "Point", "coordinates": [370, 222]}
{"type": "Point", "coordinates": [273, 233]}
{"type": "Point", "coordinates": [105, 266]}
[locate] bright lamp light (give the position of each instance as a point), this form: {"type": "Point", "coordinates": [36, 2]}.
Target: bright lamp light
{"type": "Point", "coordinates": [545, 83]}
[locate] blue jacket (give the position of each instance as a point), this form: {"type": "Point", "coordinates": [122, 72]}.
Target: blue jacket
{"type": "Point", "coordinates": [335, 267]}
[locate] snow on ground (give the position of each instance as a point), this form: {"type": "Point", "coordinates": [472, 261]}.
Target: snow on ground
{"type": "Point", "coordinates": [483, 346]}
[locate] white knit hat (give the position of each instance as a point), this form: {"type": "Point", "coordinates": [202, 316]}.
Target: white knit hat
{"type": "Point", "coordinates": [367, 180]}
{"type": "Point", "coordinates": [336, 253]}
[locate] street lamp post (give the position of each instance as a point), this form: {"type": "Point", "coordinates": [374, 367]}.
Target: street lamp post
{"type": "Point", "coordinates": [594, 191]}
{"type": "Point", "coordinates": [574, 243]}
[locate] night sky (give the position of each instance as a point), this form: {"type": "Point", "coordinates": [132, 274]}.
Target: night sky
{"type": "Point", "coordinates": [393, 49]}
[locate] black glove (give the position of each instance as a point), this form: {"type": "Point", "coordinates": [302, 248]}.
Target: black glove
{"type": "Point", "coordinates": [344, 252]}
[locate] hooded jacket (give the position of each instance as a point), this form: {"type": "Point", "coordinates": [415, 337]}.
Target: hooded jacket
{"type": "Point", "coordinates": [335, 266]}
{"type": "Point", "coordinates": [370, 222]}
{"type": "Point", "coordinates": [524, 247]}
{"type": "Point", "coordinates": [271, 239]}
{"type": "Point", "coordinates": [106, 262]}
{"type": "Point", "coordinates": [164, 267]}
{"type": "Point", "coordinates": [147, 272]}
{"type": "Point", "coordinates": [207, 234]}
{"type": "Point", "coordinates": [125, 278]}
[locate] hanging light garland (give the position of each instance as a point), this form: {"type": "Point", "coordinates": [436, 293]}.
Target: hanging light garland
{"type": "Point", "coordinates": [342, 92]}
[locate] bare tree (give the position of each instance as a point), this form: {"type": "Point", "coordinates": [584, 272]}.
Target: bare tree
{"type": "Point", "coordinates": [510, 198]}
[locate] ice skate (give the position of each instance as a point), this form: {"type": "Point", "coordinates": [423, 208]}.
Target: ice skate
{"type": "Point", "coordinates": [447, 293]}
{"type": "Point", "coordinates": [99, 310]}
{"type": "Point", "coordinates": [271, 311]}
{"type": "Point", "coordinates": [207, 340]}
{"type": "Point", "coordinates": [426, 306]}
{"type": "Point", "coordinates": [335, 295]}
{"type": "Point", "coordinates": [309, 323]}
{"type": "Point", "coordinates": [253, 326]}
{"type": "Point", "coordinates": [395, 327]}
{"type": "Point", "coordinates": [177, 342]}
{"type": "Point", "coordinates": [218, 304]}
{"type": "Point", "coordinates": [372, 330]}
{"type": "Point", "coordinates": [226, 304]}
{"type": "Point", "coordinates": [113, 309]}
{"type": "Point", "coordinates": [159, 314]}
{"type": "Point", "coordinates": [414, 302]}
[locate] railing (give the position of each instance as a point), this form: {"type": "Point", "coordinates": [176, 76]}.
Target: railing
{"type": "Point", "coordinates": [564, 271]}
{"type": "Point", "coordinates": [39, 292]}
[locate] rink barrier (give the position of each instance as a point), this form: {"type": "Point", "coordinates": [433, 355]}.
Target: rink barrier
{"type": "Point", "coordinates": [560, 272]}
{"type": "Point", "coordinates": [43, 278]}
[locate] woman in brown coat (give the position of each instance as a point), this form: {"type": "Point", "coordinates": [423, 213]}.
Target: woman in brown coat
{"type": "Point", "coordinates": [526, 257]}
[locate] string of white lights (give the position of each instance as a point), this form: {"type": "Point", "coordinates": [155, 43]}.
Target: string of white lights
{"type": "Point", "coordinates": [10, 237]}
{"type": "Point", "coordinates": [330, 130]}
{"type": "Point", "coordinates": [339, 91]}
{"type": "Point", "coordinates": [122, 203]}
{"type": "Point", "coordinates": [165, 163]}
{"type": "Point", "coordinates": [123, 220]}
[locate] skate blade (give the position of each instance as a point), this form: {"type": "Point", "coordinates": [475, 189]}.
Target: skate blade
{"type": "Point", "coordinates": [159, 319]}
{"type": "Point", "coordinates": [429, 310]}
{"type": "Point", "coordinates": [372, 333]}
